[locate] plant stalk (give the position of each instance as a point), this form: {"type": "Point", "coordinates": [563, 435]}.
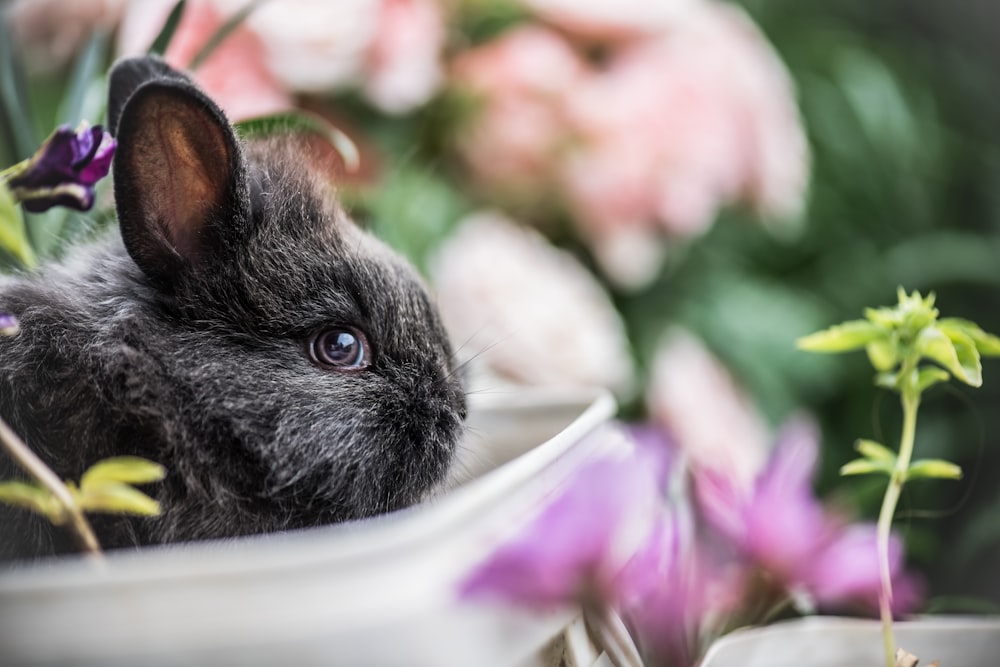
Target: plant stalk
{"type": "Point", "coordinates": [612, 635]}
{"type": "Point", "coordinates": [911, 402]}
{"type": "Point", "coordinates": [42, 474]}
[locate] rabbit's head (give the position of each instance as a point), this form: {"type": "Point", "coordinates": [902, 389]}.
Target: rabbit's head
{"type": "Point", "coordinates": [313, 377]}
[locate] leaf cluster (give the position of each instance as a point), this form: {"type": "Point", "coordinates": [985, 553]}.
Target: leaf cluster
{"type": "Point", "coordinates": [106, 487]}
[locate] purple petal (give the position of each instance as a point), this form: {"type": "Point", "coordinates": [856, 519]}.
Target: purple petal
{"type": "Point", "coordinates": [848, 571]}
{"type": "Point", "coordinates": [658, 448]}
{"type": "Point", "coordinates": [848, 566]}
{"type": "Point", "coordinates": [64, 169]}
{"type": "Point", "coordinates": [100, 162]}
{"type": "Point", "coordinates": [582, 541]}
{"type": "Point", "coordinates": [793, 462]}
{"type": "Point", "coordinates": [9, 325]}
{"type": "Point", "coordinates": [52, 163]}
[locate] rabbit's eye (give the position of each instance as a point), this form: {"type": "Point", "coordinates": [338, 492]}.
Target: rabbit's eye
{"type": "Point", "coordinates": [343, 348]}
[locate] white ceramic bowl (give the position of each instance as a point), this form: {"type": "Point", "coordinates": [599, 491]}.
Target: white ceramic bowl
{"type": "Point", "coordinates": [378, 592]}
{"type": "Point", "coordinates": [827, 641]}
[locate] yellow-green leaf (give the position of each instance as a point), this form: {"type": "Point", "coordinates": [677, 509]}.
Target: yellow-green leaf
{"type": "Point", "coordinates": [118, 499]}
{"type": "Point", "coordinates": [929, 376]}
{"type": "Point", "coordinates": [33, 497]}
{"type": "Point", "coordinates": [887, 318]}
{"type": "Point", "coordinates": [865, 467]}
{"type": "Point", "coordinates": [13, 237]}
{"type": "Point", "coordinates": [122, 469]}
{"type": "Point", "coordinates": [958, 355]}
{"type": "Point", "coordinates": [986, 343]}
{"type": "Point", "coordinates": [842, 337]}
{"type": "Point", "coordinates": [882, 354]}
{"type": "Point", "coordinates": [875, 451]}
{"type": "Point", "coordinates": [933, 468]}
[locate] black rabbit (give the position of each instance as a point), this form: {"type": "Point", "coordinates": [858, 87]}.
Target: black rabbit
{"type": "Point", "coordinates": [287, 368]}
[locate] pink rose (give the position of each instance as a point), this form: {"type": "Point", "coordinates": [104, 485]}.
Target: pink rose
{"type": "Point", "coordinates": [235, 75]}
{"type": "Point", "coordinates": [390, 49]}
{"type": "Point", "coordinates": [519, 126]}
{"type": "Point", "coordinates": [649, 143]}
{"type": "Point", "coordinates": [404, 60]}
{"type": "Point", "coordinates": [600, 19]}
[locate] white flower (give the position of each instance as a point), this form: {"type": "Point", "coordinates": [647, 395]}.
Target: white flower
{"type": "Point", "coordinates": [527, 310]}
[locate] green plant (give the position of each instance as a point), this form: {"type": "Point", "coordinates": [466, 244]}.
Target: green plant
{"type": "Point", "coordinates": [898, 341]}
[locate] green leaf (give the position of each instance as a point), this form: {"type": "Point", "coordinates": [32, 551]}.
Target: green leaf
{"type": "Point", "coordinates": [866, 467]}
{"type": "Point", "coordinates": [958, 355]}
{"type": "Point", "coordinates": [875, 451]}
{"type": "Point", "coordinates": [115, 498]}
{"type": "Point", "coordinates": [89, 65]}
{"type": "Point", "coordinates": [122, 470]}
{"type": "Point", "coordinates": [887, 318]}
{"type": "Point", "coordinates": [33, 497]}
{"type": "Point", "coordinates": [14, 96]}
{"type": "Point", "coordinates": [883, 354]}
{"type": "Point", "coordinates": [986, 343]}
{"type": "Point", "coordinates": [224, 31]}
{"type": "Point", "coordinates": [934, 469]}
{"type": "Point", "coordinates": [850, 335]}
{"type": "Point", "coordinates": [929, 376]}
{"type": "Point", "coordinates": [303, 121]}
{"type": "Point", "coordinates": [13, 236]}
{"type": "Point", "coordinates": [162, 41]}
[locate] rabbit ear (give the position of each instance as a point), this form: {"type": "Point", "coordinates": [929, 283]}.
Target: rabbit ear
{"type": "Point", "coordinates": [127, 75]}
{"type": "Point", "coordinates": [180, 179]}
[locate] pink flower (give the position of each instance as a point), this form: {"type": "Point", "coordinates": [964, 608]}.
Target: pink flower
{"type": "Point", "coordinates": [235, 75]}
{"type": "Point", "coordinates": [694, 114]}
{"type": "Point", "coordinates": [600, 539]}
{"type": "Point", "coordinates": [390, 49]}
{"type": "Point", "coordinates": [694, 397]}
{"type": "Point", "coordinates": [404, 60]}
{"type": "Point", "coordinates": [783, 529]}
{"type": "Point", "coordinates": [599, 19]}
{"type": "Point", "coordinates": [536, 316]}
{"type": "Point", "coordinates": [518, 81]}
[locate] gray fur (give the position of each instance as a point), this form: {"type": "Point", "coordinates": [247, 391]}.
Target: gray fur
{"type": "Point", "coordinates": [203, 367]}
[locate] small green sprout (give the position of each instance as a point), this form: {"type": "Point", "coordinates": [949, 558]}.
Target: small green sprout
{"type": "Point", "coordinates": [105, 487]}
{"type": "Point", "coordinates": [911, 350]}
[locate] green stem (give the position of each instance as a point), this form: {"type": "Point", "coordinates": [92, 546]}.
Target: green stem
{"type": "Point", "coordinates": [911, 402]}
{"type": "Point", "coordinates": [42, 474]}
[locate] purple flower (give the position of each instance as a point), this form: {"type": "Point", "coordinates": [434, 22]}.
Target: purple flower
{"type": "Point", "coordinates": [64, 170]}
{"type": "Point", "coordinates": [9, 325]}
{"type": "Point", "coordinates": [595, 542]}
{"type": "Point", "coordinates": [783, 529]}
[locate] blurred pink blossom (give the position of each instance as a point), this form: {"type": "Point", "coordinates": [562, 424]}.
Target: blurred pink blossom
{"type": "Point", "coordinates": [599, 19]}
{"type": "Point", "coordinates": [235, 75]}
{"type": "Point", "coordinates": [601, 539]}
{"type": "Point", "coordinates": [714, 422]}
{"type": "Point", "coordinates": [404, 60]}
{"type": "Point", "coordinates": [519, 81]}
{"type": "Point", "coordinates": [390, 49]}
{"type": "Point", "coordinates": [783, 529]}
{"type": "Point", "coordinates": [51, 32]}
{"type": "Point", "coordinates": [651, 141]}
{"type": "Point", "coordinates": [526, 310]}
